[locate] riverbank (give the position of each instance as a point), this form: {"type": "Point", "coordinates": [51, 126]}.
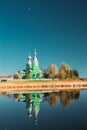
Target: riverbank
{"type": "Point", "coordinates": [18, 86]}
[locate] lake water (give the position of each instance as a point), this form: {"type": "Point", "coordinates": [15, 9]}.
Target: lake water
{"type": "Point", "coordinates": [61, 110]}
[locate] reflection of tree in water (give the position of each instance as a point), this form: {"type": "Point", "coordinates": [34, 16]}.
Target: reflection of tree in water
{"type": "Point", "coordinates": [17, 97]}
{"type": "Point", "coordinates": [53, 98]}
{"type": "Point", "coordinates": [76, 94]}
{"type": "Point", "coordinates": [66, 97]}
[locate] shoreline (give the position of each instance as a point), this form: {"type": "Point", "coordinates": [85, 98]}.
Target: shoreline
{"type": "Point", "coordinates": [24, 86]}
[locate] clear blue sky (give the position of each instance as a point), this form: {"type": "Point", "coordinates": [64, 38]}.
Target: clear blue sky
{"type": "Point", "coordinates": [57, 29]}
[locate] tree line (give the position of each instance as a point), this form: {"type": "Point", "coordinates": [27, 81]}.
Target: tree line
{"type": "Point", "coordinates": [64, 72]}
{"type": "Point", "coordinates": [66, 97]}
{"type": "Point", "coordinates": [52, 72]}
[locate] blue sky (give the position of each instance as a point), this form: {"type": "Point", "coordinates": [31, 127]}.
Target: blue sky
{"type": "Point", "coordinates": [57, 29]}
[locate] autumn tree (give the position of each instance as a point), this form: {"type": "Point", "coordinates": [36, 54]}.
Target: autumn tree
{"type": "Point", "coordinates": [53, 71]}
{"type": "Point", "coordinates": [64, 71]}
{"type": "Point", "coordinates": [62, 74]}
{"type": "Point", "coordinates": [17, 75]}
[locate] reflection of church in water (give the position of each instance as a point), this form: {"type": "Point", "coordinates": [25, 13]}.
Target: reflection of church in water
{"type": "Point", "coordinates": [33, 104]}
{"type": "Point", "coordinates": [34, 107]}
{"type": "Point", "coordinates": [33, 100]}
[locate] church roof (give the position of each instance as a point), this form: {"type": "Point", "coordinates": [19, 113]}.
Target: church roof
{"type": "Point", "coordinates": [35, 57]}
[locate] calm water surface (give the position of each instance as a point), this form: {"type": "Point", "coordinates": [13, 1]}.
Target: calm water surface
{"type": "Point", "coordinates": [61, 110]}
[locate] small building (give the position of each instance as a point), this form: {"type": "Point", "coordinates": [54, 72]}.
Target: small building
{"type": "Point", "coordinates": [5, 78]}
{"type": "Point", "coordinates": [32, 68]}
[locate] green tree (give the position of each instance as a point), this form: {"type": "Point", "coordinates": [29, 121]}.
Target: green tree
{"type": "Point", "coordinates": [74, 74]}
{"type": "Point", "coordinates": [45, 73]}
